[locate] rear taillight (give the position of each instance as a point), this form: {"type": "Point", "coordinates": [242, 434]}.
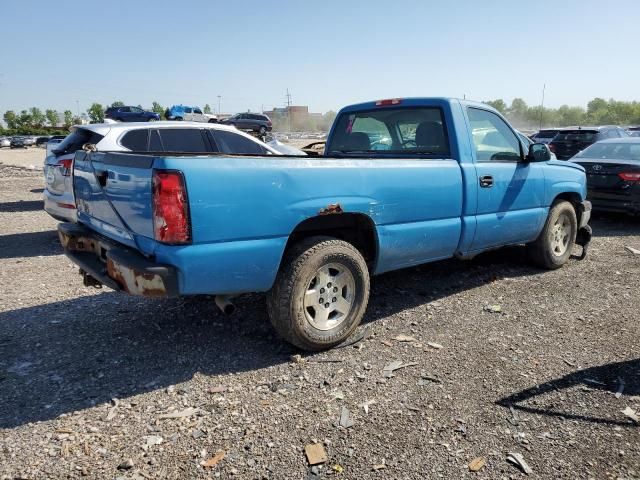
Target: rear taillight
{"type": "Point", "coordinates": [630, 177]}
{"type": "Point", "coordinates": [65, 166]}
{"type": "Point", "coordinates": [171, 223]}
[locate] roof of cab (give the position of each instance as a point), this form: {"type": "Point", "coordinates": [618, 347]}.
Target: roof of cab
{"type": "Point", "coordinates": [414, 102]}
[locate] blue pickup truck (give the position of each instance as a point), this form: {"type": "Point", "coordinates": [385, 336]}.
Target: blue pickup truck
{"type": "Point", "coordinates": [402, 182]}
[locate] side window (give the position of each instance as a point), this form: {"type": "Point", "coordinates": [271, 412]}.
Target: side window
{"type": "Point", "coordinates": [197, 110]}
{"type": "Point", "coordinates": [184, 140]}
{"type": "Point", "coordinates": [136, 140]}
{"type": "Point", "coordinates": [492, 137]}
{"type": "Point", "coordinates": [155, 145]}
{"type": "Point", "coordinates": [124, 109]}
{"type": "Point", "coordinates": [187, 110]}
{"type": "Point", "coordinates": [229, 142]}
{"type": "Point", "coordinates": [136, 110]}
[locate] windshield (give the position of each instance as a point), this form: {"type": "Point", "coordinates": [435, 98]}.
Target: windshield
{"type": "Point", "coordinates": [617, 151]}
{"type": "Point", "coordinates": [576, 136]}
{"type": "Point", "coordinates": [546, 133]}
{"type": "Point", "coordinates": [406, 130]}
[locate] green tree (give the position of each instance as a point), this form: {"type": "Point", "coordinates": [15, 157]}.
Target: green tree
{"type": "Point", "coordinates": [37, 117]}
{"type": "Point", "coordinates": [11, 119]}
{"type": "Point", "coordinates": [207, 109]}
{"type": "Point", "coordinates": [96, 113]}
{"type": "Point", "coordinates": [498, 104]}
{"type": "Point", "coordinates": [117, 104]}
{"type": "Point", "coordinates": [157, 108]}
{"type": "Point", "coordinates": [52, 117]}
{"type": "Point", "coordinates": [518, 108]}
{"type": "Point", "coordinates": [24, 120]}
{"type": "Point", "coordinates": [68, 118]}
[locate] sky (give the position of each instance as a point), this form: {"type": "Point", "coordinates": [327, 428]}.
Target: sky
{"type": "Point", "coordinates": [66, 54]}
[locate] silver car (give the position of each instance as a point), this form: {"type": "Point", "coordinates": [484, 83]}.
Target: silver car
{"type": "Point", "coordinates": [165, 137]}
{"type": "Point", "coordinates": [5, 142]}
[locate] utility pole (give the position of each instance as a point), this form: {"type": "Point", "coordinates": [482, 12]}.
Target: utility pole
{"type": "Point", "coordinates": [288, 95]}
{"type": "Point", "coordinates": [219, 103]}
{"type": "Point", "coordinates": [544, 86]}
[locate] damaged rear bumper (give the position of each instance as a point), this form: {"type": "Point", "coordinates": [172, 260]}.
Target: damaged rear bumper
{"type": "Point", "coordinates": [116, 266]}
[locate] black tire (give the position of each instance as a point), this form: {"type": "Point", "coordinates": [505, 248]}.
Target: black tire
{"type": "Point", "coordinates": [262, 131]}
{"type": "Point", "coordinates": [548, 250]}
{"type": "Point", "coordinates": [298, 273]}
{"type": "Point", "coordinates": [178, 119]}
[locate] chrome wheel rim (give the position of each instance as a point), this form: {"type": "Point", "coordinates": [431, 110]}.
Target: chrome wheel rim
{"type": "Point", "coordinates": [560, 235]}
{"type": "Point", "coordinates": [329, 296]}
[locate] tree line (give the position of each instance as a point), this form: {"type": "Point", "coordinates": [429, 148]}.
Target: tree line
{"type": "Point", "coordinates": [36, 122]}
{"type": "Point", "coordinates": [598, 112]}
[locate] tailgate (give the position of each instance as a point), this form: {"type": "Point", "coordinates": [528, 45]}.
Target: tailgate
{"type": "Point", "coordinates": [113, 194]}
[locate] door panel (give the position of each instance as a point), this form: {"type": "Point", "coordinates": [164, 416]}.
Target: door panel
{"type": "Point", "coordinates": [510, 191]}
{"type": "Point", "coordinates": [512, 210]}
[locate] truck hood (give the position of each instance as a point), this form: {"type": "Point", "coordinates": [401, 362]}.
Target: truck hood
{"type": "Point", "coordinates": [567, 164]}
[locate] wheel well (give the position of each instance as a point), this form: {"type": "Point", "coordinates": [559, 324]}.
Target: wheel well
{"type": "Point", "coordinates": [356, 228]}
{"type": "Point", "coordinates": [574, 199]}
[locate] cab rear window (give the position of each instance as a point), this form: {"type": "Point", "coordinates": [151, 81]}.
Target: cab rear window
{"type": "Point", "coordinates": [401, 130]}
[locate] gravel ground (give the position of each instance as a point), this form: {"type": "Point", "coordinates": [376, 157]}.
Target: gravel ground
{"type": "Point", "coordinates": [30, 158]}
{"type": "Point", "coordinates": [498, 358]}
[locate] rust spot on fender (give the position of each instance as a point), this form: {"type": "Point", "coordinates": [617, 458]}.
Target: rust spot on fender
{"type": "Point", "coordinates": [331, 209]}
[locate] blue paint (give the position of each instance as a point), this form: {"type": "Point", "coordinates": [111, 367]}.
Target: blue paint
{"type": "Point", "coordinates": [244, 208]}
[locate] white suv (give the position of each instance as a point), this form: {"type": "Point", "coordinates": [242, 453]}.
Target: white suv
{"type": "Point", "coordinates": [165, 137]}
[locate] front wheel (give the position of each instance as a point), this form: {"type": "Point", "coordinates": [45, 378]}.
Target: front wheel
{"type": "Point", "coordinates": [554, 245]}
{"type": "Point", "coordinates": [320, 293]}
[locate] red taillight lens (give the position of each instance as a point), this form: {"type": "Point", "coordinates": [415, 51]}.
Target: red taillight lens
{"type": "Point", "coordinates": [65, 166]}
{"type": "Point", "coordinates": [630, 177]}
{"type": "Point", "coordinates": [390, 101]}
{"type": "Point", "coordinates": [171, 223]}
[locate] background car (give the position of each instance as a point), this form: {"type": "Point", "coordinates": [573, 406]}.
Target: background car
{"type": "Point", "coordinates": [29, 141]}
{"type": "Point", "coordinates": [570, 141]}
{"type": "Point", "coordinates": [5, 142]}
{"type": "Point", "coordinates": [255, 122]}
{"type": "Point", "coordinates": [42, 141]}
{"type": "Point", "coordinates": [18, 142]}
{"type": "Point", "coordinates": [130, 114]}
{"type": "Point", "coordinates": [172, 137]}
{"type": "Point", "coordinates": [54, 140]}
{"type": "Point", "coordinates": [189, 114]}
{"type": "Point", "coordinates": [546, 135]}
{"type": "Point", "coordinates": [613, 174]}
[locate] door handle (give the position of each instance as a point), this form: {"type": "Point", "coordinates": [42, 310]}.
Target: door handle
{"type": "Point", "coordinates": [486, 181]}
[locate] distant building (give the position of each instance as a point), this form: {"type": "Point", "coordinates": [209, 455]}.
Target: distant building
{"type": "Point", "coordinates": [298, 116]}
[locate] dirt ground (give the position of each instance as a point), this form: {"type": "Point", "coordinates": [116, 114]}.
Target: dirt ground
{"type": "Point", "coordinates": [30, 158]}
{"type": "Point", "coordinates": [498, 358]}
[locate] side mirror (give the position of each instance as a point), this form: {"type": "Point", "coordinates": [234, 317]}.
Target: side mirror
{"type": "Point", "coordinates": [538, 152]}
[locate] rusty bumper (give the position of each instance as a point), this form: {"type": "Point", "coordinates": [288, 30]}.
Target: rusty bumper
{"type": "Point", "coordinates": [116, 266]}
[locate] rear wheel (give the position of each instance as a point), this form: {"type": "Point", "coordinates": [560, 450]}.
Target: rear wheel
{"type": "Point", "coordinates": [320, 294]}
{"type": "Point", "coordinates": [262, 131]}
{"type": "Point", "coordinates": [178, 119]}
{"type": "Point", "coordinates": [554, 245]}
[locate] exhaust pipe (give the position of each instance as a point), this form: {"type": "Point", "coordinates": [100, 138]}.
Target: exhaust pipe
{"type": "Point", "coordinates": [224, 304]}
